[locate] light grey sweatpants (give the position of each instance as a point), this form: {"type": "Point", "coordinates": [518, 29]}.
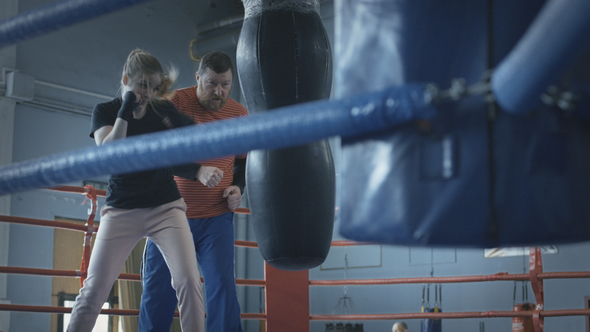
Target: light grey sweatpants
{"type": "Point", "coordinates": [118, 233]}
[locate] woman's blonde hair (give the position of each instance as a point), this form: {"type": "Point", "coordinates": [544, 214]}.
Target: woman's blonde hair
{"type": "Point", "coordinates": [140, 62]}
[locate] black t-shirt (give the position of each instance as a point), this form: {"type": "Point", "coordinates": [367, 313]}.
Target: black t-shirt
{"type": "Point", "coordinates": [147, 188]}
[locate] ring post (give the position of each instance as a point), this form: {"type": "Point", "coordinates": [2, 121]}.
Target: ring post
{"type": "Point", "coordinates": [287, 300]}
{"type": "Point", "coordinates": [90, 193]}
{"type": "Point", "coordinates": [535, 268]}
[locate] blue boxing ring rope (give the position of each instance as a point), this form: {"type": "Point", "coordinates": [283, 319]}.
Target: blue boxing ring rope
{"type": "Point", "coordinates": [57, 15]}
{"type": "Point", "coordinates": [281, 128]}
{"type": "Point", "coordinates": [549, 46]}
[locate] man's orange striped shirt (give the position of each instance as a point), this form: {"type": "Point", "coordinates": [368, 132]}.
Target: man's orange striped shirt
{"type": "Point", "coordinates": [201, 201]}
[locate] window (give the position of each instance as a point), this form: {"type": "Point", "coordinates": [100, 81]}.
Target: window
{"type": "Point", "coordinates": [104, 323]}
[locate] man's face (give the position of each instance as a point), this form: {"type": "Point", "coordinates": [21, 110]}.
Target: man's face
{"type": "Point", "coordinates": [213, 89]}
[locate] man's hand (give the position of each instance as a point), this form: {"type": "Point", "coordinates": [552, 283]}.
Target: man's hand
{"type": "Point", "coordinates": [177, 120]}
{"type": "Point", "coordinates": [234, 197]}
{"type": "Point", "coordinates": [209, 176]}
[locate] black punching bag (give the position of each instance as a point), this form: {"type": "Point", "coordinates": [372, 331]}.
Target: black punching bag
{"type": "Point", "coordinates": [284, 58]}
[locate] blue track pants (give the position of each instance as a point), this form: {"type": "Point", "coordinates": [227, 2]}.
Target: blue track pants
{"type": "Point", "coordinates": [214, 243]}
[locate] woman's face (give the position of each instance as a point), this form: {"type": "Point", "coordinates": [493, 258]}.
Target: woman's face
{"type": "Point", "coordinates": [146, 87]}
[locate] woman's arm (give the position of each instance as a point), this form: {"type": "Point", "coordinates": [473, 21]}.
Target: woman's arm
{"type": "Point", "coordinates": [110, 133]}
{"type": "Point", "coordinates": [119, 130]}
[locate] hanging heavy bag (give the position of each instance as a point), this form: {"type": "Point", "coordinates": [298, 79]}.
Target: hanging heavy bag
{"type": "Point", "coordinates": [284, 58]}
{"type": "Point", "coordinates": [429, 324]}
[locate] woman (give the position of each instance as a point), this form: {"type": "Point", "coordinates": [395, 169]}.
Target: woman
{"type": "Point", "coordinates": [141, 204]}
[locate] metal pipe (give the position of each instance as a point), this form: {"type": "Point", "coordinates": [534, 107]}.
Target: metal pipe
{"type": "Point", "coordinates": [449, 280]}
{"type": "Point", "coordinates": [77, 190]}
{"type": "Point", "coordinates": [66, 88]}
{"type": "Point", "coordinates": [118, 312]}
{"type": "Point", "coordinates": [557, 35]}
{"type": "Point", "coordinates": [46, 223]}
{"type": "Point", "coordinates": [122, 276]}
{"type": "Point", "coordinates": [233, 21]}
{"type": "Point", "coordinates": [453, 315]}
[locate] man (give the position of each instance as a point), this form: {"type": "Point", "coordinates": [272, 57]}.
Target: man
{"type": "Point", "coordinates": [210, 201]}
{"type": "Point", "coordinates": [399, 327]}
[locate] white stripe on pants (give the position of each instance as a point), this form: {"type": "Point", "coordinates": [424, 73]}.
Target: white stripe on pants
{"type": "Point", "coordinates": [118, 233]}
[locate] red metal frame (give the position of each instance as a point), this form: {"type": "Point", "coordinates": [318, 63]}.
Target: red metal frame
{"type": "Point", "coordinates": [287, 293]}
{"type": "Point", "coordinates": [90, 193]}
{"type": "Point", "coordinates": [535, 268]}
{"type": "Point", "coordinates": [287, 300]}
{"type": "Point", "coordinates": [587, 306]}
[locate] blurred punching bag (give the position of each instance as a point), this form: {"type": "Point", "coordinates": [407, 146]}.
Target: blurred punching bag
{"type": "Point", "coordinates": [284, 58]}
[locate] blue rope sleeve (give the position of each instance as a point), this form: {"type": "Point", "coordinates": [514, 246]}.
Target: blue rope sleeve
{"type": "Point", "coordinates": [284, 127]}
{"type": "Point", "coordinates": [551, 43]}
{"type": "Point", "coordinates": [54, 16]}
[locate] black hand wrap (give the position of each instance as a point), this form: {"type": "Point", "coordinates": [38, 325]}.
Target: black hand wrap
{"type": "Point", "coordinates": [240, 174]}
{"type": "Point", "coordinates": [128, 106]}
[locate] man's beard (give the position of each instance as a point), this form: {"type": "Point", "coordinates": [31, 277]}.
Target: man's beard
{"type": "Point", "coordinates": [214, 104]}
